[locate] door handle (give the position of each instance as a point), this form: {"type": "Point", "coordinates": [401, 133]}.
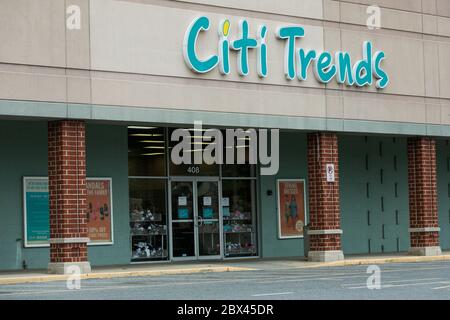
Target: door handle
{"type": "Point", "coordinates": [195, 222]}
{"type": "Point", "coordinates": [198, 221]}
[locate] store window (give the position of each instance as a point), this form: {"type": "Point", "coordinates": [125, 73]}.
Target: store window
{"type": "Point", "coordinates": [236, 169]}
{"type": "Point", "coordinates": [148, 194]}
{"type": "Point", "coordinates": [146, 151]}
{"type": "Point", "coordinates": [239, 217]}
{"type": "Point", "coordinates": [242, 170]}
{"type": "Point", "coordinates": [148, 219]}
{"type": "Point", "coordinates": [192, 169]}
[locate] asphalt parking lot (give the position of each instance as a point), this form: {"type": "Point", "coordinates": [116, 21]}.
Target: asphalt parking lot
{"type": "Point", "coordinates": [430, 280]}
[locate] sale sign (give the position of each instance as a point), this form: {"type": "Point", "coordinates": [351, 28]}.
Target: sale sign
{"type": "Point", "coordinates": [99, 210]}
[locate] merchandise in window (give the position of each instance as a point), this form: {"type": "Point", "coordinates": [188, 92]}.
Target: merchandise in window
{"type": "Point", "coordinates": [148, 219]}
{"type": "Point", "coordinates": [239, 218]}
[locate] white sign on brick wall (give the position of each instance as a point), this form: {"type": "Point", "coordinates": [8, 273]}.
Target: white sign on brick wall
{"type": "Point", "coordinates": [330, 172]}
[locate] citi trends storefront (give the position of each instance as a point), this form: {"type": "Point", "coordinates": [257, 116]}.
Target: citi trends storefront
{"type": "Point", "coordinates": [347, 123]}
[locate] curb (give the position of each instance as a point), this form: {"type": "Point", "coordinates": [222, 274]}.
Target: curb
{"type": "Point", "coordinates": [356, 262]}
{"type": "Point", "coordinates": [118, 274]}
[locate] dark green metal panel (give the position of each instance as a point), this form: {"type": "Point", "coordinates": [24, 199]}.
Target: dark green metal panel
{"type": "Point", "coordinates": [293, 164]}
{"type": "Point", "coordinates": [374, 194]}
{"type": "Point", "coordinates": [443, 184]}
{"type": "Point", "coordinates": [23, 146]}
{"type": "Point", "coordinates": [107, 156]}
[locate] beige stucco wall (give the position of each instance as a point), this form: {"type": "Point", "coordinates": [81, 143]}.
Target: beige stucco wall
{"type": "Point", "coordinates": [129, 53]}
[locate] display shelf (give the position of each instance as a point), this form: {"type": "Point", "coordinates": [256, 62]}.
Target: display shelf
{"type": "Point", "coordinates": [242, 231]}
{"type": "Point", "coordinates": [239, 236]}
{"type": "Point", "coordinates": [240, 252]}
{"type": "Point", "coordinates": [137, 234]}
{"type": "Point", "coordinates": [148, 227]}
{"type": "Point", "coordinates": [240, 215]}
{"type": "Point", "coordinates": [145, 216]}
{"type": "Point", "coordinates": [149, 237]}
{"type": "Point", "coordinates": [163, 256]}
{"type": "Point", "coordinates": [147, 260]}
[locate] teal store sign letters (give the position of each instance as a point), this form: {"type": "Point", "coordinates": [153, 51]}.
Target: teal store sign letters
{"type": "Point", "coordinates": [326, 65]}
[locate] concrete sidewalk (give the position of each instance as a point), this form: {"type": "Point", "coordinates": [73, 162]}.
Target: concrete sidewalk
{"type": "Point", "coordinates": [148, 270]}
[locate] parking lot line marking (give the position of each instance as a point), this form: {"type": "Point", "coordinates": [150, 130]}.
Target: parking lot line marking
{"type": "Point", "coordinates": [386, 267]}
{"type": "Point", "coordinates": [300, 279]}
{"type": "Point", "coordinates": [443, 287]}
{"type": "Point", "coordinates": [402, 285]}
{"type": "Point", "coordinates": [271, 294]}
{"type": "Point", "coordinates": [394, 281]}
{"type": "Point", "coordinates": [349, 273]}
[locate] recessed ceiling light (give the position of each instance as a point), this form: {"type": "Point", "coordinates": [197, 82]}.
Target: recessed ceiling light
{"type": "Point", "coordinates": [152, 154]}
{"type": "Point", "coordinates": [142, 128]}
{"type": "Point", "coordinates": [152, 141]}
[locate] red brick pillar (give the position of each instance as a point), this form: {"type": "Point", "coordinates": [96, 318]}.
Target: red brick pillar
{"type": "Point", "coordinates": [324, 209]}
{"type": "Point", "coordinates": [67, 196]}
{"type": "Point", "coordinates": [423, 209]}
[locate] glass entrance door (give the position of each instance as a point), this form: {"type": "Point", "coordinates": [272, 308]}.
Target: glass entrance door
{"type": "Point", "coordinates": [183, 220]}
{"type": "Point", "coordinates": [196, 222]}
{"type": "Point", "coordinates": [209, 243]}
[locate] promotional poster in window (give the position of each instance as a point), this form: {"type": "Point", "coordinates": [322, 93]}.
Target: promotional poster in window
{"type": "Point", "coordinates": [291, 208]}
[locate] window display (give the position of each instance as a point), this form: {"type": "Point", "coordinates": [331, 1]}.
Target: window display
{"type": "Point", "coordinates": [242, 169]}
{"type": "Point", "coordinates": [146, 151]}
{"type": "Point", "coordinates": [148, 219]}
{"type": "Point", "coordinates": [239, 218]}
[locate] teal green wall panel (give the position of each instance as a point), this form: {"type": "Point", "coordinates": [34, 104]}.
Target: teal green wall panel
{"type": "Point", "coordinates": [23, 146]}
{"type": "Point", "coordinates": [443, 184]}
{"type": "Point", "coordinates": [353, 194]}
{"type": "Point", "coordinates": [374, 194]}
{"type": "Point", "coordinates": [107, 156]}
{"type": "Point", "coordinates": [293, 165]}
{"type": "Point", "coordinates": [394, 163]}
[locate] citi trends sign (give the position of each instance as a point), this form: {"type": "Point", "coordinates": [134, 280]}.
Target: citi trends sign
{"type": "Point", "coordinates": [297, 60]}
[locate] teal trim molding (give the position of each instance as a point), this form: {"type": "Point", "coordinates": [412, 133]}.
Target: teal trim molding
{"type": "Point", "coordinates": [23, 109]}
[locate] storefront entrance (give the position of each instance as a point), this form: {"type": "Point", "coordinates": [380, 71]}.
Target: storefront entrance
{"type": "Point", "coordinates": [195, 219]}
{"type": "Point", "coordinates": [188, 212]}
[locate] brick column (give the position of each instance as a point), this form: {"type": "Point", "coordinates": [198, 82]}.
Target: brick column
{"type": "Point", "coordinates": [423, 209]}
{"type": "Point", "coordinates": [324, 209]}
{"type": "Point", "coordinates": [67, 196]}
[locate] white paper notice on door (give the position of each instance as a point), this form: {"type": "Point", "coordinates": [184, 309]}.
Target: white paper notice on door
{"type": "Point", "coordinates": [225, 202]}
{"type": "Point", "coordinates": [182, 201]}
{"type": "Point", "coordinates": [207, 201]}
